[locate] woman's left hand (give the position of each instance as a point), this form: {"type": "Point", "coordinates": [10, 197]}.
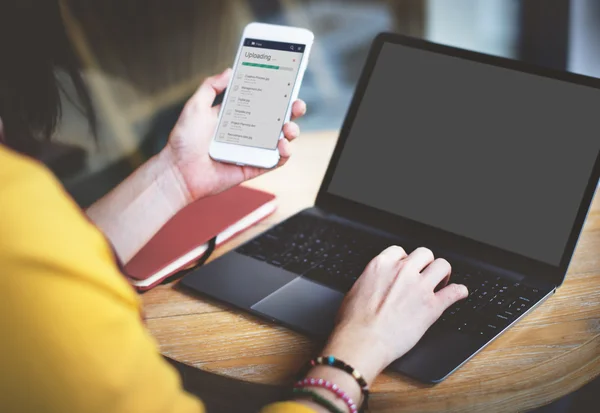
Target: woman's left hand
{"type": "Point", "coordinates": [187, 149]}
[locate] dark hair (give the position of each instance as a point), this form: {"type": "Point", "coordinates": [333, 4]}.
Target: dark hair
{"type": "Point", "coordinates": [33, 46]}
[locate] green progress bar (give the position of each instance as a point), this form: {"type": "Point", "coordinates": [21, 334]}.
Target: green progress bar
{"type": "Point", "coordinates": [260, 65]}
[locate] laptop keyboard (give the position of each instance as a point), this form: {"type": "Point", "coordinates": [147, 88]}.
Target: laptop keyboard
{"type": "Point", "coordinates": [336, 255]}
{"type": "Point", "coordinates": [493, 303]}
{"type": "Point", "coordinates": [324, 251]}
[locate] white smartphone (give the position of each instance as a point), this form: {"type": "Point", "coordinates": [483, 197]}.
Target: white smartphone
{"type": "Point", "coordinates": [267, 74]}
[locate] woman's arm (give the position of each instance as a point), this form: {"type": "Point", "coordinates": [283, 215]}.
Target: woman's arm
{"type": "Point", "coordinates": [71, 335]}
{"type": "Point", "coordinates": [181, 173]}
{"type": "Point", "coordinates": [136, 209]}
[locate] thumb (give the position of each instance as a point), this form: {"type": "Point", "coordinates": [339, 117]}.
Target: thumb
{"type": "Point", "coordinates": [210, 88]}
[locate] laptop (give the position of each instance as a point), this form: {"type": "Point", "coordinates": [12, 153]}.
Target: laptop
{"type": "Point", "coordinates": [489, 162]}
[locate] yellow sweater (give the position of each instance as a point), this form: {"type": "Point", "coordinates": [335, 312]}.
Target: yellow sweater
{"type": "Point", "coordinates": [71, 334]}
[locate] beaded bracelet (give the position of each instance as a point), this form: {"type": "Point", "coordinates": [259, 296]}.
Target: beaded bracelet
{"type": "Point", "coordinates": [327, 385]}
{"type": "Point", "coordinates": [320, 400]}
{"type": "Point", "coordinates": [339, 364]}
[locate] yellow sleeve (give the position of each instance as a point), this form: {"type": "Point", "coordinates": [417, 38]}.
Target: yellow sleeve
{"type": "Point", "coordinates": [71, 333]}
{"type": "Point", "coordinates": [287, 407]}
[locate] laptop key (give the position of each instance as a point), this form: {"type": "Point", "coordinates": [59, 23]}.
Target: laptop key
{"type": "Point", "coordinates": [501, 320]}
{"type": "Point", "coordinates": [276, 262]}
{"type": "Point", "coordinates": [529, 294]}
{"type": "Point", "coordinates": [466, 326]}
{"type": "Point", "coordinates": [250, 248]}
{"type": "Point", "coordinates": [319, 275]}
{"type": "Point", "coordinates": [488, 329]}
{"type": "Point", "coordinates": [300, 266]}
{"type": "Point", "coordinates": [496, 304]}
{"type": "Point", "coordinates": [509, 314]}
{"type": "Point", "coordinates": [519, 305]}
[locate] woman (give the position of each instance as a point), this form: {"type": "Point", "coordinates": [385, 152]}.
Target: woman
{"type": "Point", "coordinates": [72, 337]}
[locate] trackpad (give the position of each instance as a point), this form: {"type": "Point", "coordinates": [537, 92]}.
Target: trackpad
{"type": "Point", "coordinates": [304, 305]}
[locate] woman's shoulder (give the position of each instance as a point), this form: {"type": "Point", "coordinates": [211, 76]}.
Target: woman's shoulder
{"type": "Point", "coordinates": [28, 192]}
{"type": "Point", "coordinates": [26, 180]}
{"type": "Point", "coordinates": [41, 224]}
{"type": "Point", "coordinates": [15, 167]}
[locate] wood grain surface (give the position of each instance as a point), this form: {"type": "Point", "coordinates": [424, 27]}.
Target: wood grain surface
{"type": "Point", "coordinates": [552, 352]}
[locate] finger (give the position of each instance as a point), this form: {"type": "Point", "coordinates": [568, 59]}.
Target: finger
{"type": "Point", "coordinates": [282, 161]}
{"type": "Point", "coordinates": [298, 109]}
{"type": "Point", "coordinates": [251, 172]}
{"type": "Point", "coordinates": [291, 131]}
{"type": "Point", "coordinates": [394, 252]}
{"type": "Point", "coordinates": [420, 258]}
{"type": "Point", "coordinates": [386, 265]}
{"type": "Point", "coordinates": [442, 283]}
{"type": "Point", "coordinates": [285, 149]}
{"type": "Point", "coordinates": [436, 272]}
{"type": "Point", "coordinates": [210, 88]}
{"type": "Point", "coordinates": [451, 294]}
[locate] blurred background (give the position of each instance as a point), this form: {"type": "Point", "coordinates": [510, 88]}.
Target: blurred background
{"type": "Point", "coordinates": [143, 58]}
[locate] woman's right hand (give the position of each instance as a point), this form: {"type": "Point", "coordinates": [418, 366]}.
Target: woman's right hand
{"type": "Point", "coordinates": [384, 315]}
{"type": "Point", "coordinates": [390, 307]}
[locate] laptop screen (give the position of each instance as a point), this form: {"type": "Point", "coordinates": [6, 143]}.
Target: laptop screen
{"type": "Point", "coordinates": [492, 154]}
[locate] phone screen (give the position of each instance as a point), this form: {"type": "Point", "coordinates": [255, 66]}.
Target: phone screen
{"type": "Point", "coordinates": [260, 93]}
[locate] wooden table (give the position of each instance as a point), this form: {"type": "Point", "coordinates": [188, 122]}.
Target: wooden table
{"type": "Point", "coordinates": [552, 352]}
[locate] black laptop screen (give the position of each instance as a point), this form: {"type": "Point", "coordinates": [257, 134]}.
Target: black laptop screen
{"type": "Point", "coordinates": [492, 154]}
